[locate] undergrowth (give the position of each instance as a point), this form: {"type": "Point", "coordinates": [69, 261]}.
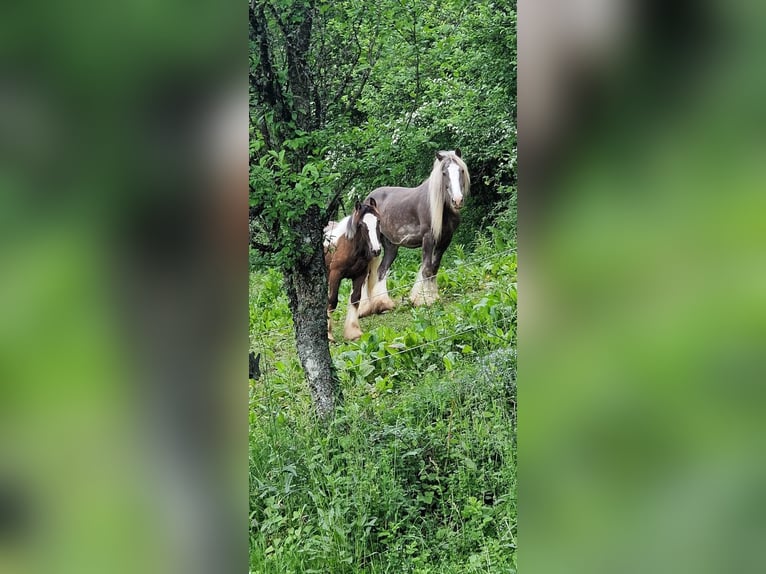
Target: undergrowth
{"type": "Point", "coordinates": [416, 472]}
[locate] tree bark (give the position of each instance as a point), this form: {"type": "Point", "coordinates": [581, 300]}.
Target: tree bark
{"type": "Point", "coordinates": [299, 72]}
{"type": "Point", "coordinates": [306, 285]}
{"type": "Point", "coordinates": [306, 281]}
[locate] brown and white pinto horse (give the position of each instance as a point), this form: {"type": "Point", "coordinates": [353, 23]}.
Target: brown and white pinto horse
{"type": "Point", "coordinates": [425, 216]}
{"type": "Point", "coordinates": [350, 246]}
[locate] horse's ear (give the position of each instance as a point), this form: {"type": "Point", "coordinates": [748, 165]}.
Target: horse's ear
{"type": "Point", "coordinates": [372, 202]}
{"type": "Point", "coordinates": [355, 216]}
{"type": "Point", "coordinates": [457, 152]}
{"type": "Point", "coordinates": [440, 155]}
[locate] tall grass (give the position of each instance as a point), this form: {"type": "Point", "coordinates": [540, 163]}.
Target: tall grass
{"type": "Point", "coordinates": [416, 472]}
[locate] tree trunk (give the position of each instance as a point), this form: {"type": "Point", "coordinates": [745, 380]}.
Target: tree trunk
{"type": "Point", "coordinates": [306, 281]}
{"type": "Point", "coordinates": [307, 293]}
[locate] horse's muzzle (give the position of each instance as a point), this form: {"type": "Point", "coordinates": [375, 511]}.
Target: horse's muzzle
{"type": "Point", "coordinates": [457, 204]}
{"type": "Point", "coordinates": [375, 252]}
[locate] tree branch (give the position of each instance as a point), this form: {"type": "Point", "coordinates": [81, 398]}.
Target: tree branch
{"type": "Point", "coordinates": [372, 58]}
{"type": "Point", "coordinates": [358, 54]}
{"type": "Point", "coordinates": [262, 247]}
{"type": "Point", "coordinates": [266, 83]}
{"type": "Point", "coordinates": [335, 200]}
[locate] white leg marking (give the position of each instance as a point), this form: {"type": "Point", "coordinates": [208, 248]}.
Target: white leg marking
{"type": "Point", "coordinates": [375, 297]}
{"type": "Point", "coordinates": [351, 329]}
{"type": "Point", "coordinates": [424, 291]}
{"type": "Point", "coordinates": [365, 303]}
{"type": "Point", "coordinates": [417, 293]}
{"type": "Point", "coordinates": [364, 299]}
{"type": "Point", "coordinates": [432, 293]}
{"type": "Point", "coordinates": [381, 302]}
{"type": "Point", "coordinates": [329, 327]}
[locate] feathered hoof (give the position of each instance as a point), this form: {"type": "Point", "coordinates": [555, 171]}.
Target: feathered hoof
{"type": "Point", "coordinates": [365, 308]}
{"type": "Point", "coordinates": [386, 304]}
{"type": "Point", "coordinates": [380, 306]}
{"type": "Point", "coordinates": [423, 300]}
{"type": "Point", "coordinates": [352, 333]}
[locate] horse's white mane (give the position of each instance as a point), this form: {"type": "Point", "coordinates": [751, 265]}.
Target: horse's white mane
{"type": "Point", "coordinates": [436, 196]}
{"type": "Point", "coordinates": [334, 230]}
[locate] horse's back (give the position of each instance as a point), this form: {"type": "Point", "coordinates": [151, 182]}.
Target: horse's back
{"type": "Point", "coordinates": [334, 230]}
{"type": "Point", "coordinates": [386, 194]}
{"type": "Point", "coordinates": [403, 213]}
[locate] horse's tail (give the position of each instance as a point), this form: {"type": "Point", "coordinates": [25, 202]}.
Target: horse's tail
{"type": "Point", "coordinates": [436, 199]}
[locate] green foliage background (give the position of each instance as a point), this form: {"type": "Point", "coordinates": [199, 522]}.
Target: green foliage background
{"type": "Point", "coordinates": [416, 471]}
{"type": "Point", "coordinates": [396, 81]}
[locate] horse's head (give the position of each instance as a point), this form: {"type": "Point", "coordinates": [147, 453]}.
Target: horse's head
{"type": "Point", "coordinates": [454, 176]}
{"type": "Point", "coordinates": [366, 220]}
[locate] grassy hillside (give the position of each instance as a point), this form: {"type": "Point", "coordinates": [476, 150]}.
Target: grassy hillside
{"type": "Point", "coordinates": [417, 471]}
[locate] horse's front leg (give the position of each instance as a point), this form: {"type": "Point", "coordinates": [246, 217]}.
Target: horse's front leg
{"type": "Point", "coordinates": [389, 254]}
{"type": "Point", "coordinates": [333, 281]}
{"type": "Point", "coordinates": [436, 261]}
{"type": "Point", "coordinates": [351, 329]}
{"type": "Point", "coordinates": [424, 290]}
{"type": "Point", "coordinates": [375, 298]}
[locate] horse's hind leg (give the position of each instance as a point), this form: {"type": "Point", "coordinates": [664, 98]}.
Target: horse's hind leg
{"type": "Point", "coordinates": [375, 297]}
{"type": "Point", "coordinates": [370, 280]}
{"type": "Point", "coordinates": [332, 300]}
{"type": "Point", "coordinates": [351, 329]}
{"type": "Point", "coordinates": [377, 289]}
{"type": "Point", "coordinates": [329, 326]}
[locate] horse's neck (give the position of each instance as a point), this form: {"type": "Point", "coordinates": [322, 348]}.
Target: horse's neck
{"type": "Point", "coordinates": [450, 220]}
{"type": "Point", "coordinates": [359, 245]}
